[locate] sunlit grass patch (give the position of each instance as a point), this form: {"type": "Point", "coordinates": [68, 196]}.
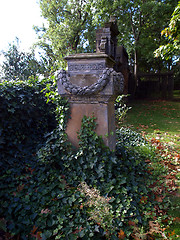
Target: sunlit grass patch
{"type": "Point", "coordinates": [157, 119]}
{"type": "Point", "coordinates": [159, 122]}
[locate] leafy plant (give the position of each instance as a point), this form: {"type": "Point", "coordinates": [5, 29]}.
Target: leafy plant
{"type": "Point", "coordinates": [172, 34]}
{"type": "Point", "coordinates": [58, 192]}
{"type": "Point", "coordinates": [24, 119]}
{"type": "Point", "coordinates": [119, 177]}
{"type": "Point", "coordinates": [18, 65]}
{"type": "Point", "coordinates": [121, 108]}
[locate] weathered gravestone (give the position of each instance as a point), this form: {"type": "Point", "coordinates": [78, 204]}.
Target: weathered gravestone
{"type": "Point", "coordinates": [92, 85]}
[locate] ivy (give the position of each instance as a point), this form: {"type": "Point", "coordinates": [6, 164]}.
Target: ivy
{"type": "Point", "coordinates": [51, 190]}
{"type": "Point", "coordinates": [65, 211]}
{"type": "Point", "coordinates": [24, 118]}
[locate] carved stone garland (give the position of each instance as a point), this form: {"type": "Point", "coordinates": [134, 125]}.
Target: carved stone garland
{"type": "Point", "coordinates": [94, 88]}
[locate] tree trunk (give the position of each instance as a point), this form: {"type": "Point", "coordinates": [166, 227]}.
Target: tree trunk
{"type": "Point", "coordinates": [136, 67]}
{"type": "Point", "coordinates": [134, 83]}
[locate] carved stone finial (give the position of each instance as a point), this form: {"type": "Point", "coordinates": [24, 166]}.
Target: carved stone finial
{"type": "Point", "coordinates": [106, 38]}
{"type": "Point", "coordinates": [103, 44]}
{"type": "Point", "coordinates": [113, 19]}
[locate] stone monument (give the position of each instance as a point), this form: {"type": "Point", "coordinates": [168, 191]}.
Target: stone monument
{"type": "Point", "coordinates": [92, 85]}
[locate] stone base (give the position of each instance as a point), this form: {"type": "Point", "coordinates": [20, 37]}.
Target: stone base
{"type": "Point", "coordinates": [105, 118]}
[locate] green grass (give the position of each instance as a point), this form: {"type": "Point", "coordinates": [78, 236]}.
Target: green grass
{"type": "Point", "coordinates": [176, 94]}
{"type": "Point", "coordinates": [156, 118]}
{"type": "Point", "coordinates": [161, 120]}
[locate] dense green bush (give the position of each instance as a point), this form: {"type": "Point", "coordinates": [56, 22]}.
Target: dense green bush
{"type": "Point", "coordinates": [24, 119]}
{"type": "Point", "coordinates": [60, 192]}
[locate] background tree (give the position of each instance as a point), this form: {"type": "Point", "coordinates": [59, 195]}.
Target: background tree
{"type": "Point", "coordinates": [140, 23]}
{"type": "Point", "coordinates": [72, 24]}
{"type": "Point", "coordinates": [171, 48]}
{"type": "Point", "coordinates": [172, 33]}
{"type": "Point", "coordinates": [70, 28]}
{"type": "Point", "coordinates": [19, 64]}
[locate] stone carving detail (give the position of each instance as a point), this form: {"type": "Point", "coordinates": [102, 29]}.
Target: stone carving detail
{"type": "Point", "coordinates": [78, 67]}
{"type": "Point", "coordinates": [118, 82]}
{"type": "Point", "coordinates": [94, 88]}
{"type": "Point", "coordinates": [103, 44]}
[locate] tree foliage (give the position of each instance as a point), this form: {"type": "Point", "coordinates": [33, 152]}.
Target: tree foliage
{"type": "Point", "coordinates": [72, 24]}
{"type": "Point", "coordinates": [70, 27]}
{"type": "Point", "coordinates": [172, 34]}
{"type": "Point", "coordinates": [140, 23]}
{"type": "Point", "coordinates": [20, 65]}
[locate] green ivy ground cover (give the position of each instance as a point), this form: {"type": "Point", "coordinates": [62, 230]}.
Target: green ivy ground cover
{"type": "Point", "coordinates": [50, 190]}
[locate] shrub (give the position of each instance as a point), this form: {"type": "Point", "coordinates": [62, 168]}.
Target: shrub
{"type": "Point", "coordinates": [122, 178]}
{"type": "Point", "coordinates": [60, 192]}
{"type": "Point", "coordinates": [24, 119]}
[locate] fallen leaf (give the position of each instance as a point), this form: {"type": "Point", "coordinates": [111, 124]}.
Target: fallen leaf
{"type": "Point", "coordinates": [121, 234]}
{"type": "Point", "coordinates": [176, 219]}
{"type": "Point", "coordinates": [38, 235]}
{"type": "Point", "coordinates": [172, 233]}
{"type": "Point", "coordinates": [154, 227]}
{"type": "Point", "coordinates": [131, 223]}
{"type": "Point", "coordinates": [34, 229]}
{"type": "Point", "coordinates": [45, 211]}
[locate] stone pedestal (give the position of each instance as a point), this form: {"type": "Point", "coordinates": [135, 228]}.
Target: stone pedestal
{"type": "Point", "coordinates": [91, 86]}
{"type": "Point", "coordinates": [103, 112]}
